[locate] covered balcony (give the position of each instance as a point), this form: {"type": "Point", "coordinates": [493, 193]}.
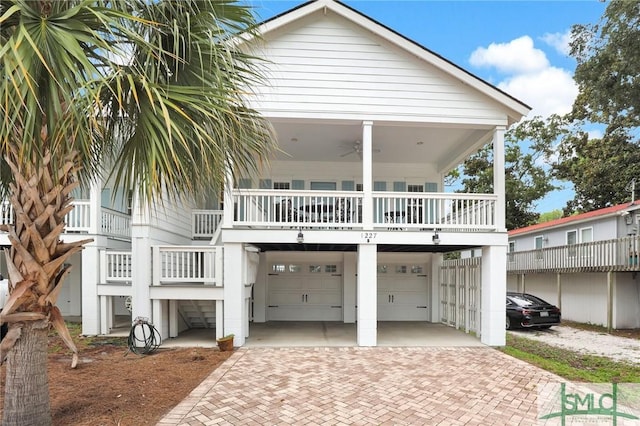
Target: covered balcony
{"type": "Point", "coordinates": [344, 209]}
{"type": "Point", "coordinates": [613, 255]}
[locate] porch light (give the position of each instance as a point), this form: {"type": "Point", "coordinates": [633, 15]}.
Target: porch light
{"type": "Point", "coordinates": [436, 237]}
{"type": "Point", "coordinates": [300, 238]}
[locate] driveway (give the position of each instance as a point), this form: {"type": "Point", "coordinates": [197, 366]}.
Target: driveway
{"type": "Point", "coordinates": [366, 386]}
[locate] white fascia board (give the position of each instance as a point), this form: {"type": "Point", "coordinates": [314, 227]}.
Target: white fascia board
{"type": "Point", "coordinates": [359, 117]}
{"type": "Point", "coordinates": [515, 109]}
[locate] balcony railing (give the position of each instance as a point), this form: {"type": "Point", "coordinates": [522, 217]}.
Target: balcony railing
{"type": "Point", "coordinates": [172, 265]}
{"type": "Point", "coordinates": [115, 267]}
{"type": "Point", "coordinates": [205, 222]}
{"type": "Point", "coordinates": [175, 265]}
{"type": "Point", "coordinates": [113, 223]}
{"type": "Point", "coordinates": [339, 209]}
{"type": "Point", "coordinates": [116, 224]}
{"type": "Point", "coordinates": [599, 256]}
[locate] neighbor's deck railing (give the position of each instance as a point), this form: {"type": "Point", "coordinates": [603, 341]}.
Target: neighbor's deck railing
{"type": "Point", "coordinates": [337, 209]}
{"type": "Point", "coordinates": [113, 223]}
{"type": "Point", "coordinates": [609, 255]}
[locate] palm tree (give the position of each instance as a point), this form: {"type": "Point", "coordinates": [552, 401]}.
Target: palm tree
{"type": "Point", "coordinates": [154, 90]}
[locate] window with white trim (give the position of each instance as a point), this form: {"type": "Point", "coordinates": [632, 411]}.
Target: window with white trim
{"type": "Point", "coordinates": [586, 236]}
{"type": "Point", "coordinates": [538, 243]}
{"type": "Point", "coordinates": [281, 185]}
{"type": "Point", "coordinates": [572, 240]}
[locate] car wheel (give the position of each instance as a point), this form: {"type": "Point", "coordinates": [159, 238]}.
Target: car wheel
{"type": "Point", "coordinates": [545, 326]}
{"type": "Point", "coordinates": [508, 323]}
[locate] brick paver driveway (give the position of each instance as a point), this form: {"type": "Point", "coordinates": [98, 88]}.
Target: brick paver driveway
{"type": "Point", "coordinates": [372, 386]}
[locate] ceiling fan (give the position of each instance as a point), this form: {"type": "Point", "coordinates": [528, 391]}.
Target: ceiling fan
{"type": "Point", "coordinates": [356, 148]}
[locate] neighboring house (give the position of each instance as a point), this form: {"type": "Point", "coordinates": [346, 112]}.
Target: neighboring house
{"type": "Point", "coordinates": [105, 219]}
{"type": "Point", "coordinates": [350, 221]}
{"type": "Point", "coordinates": [587, 264]}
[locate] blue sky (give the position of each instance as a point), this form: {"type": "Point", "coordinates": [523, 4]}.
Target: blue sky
{"type": "Point", "coordinates": [519, 46]}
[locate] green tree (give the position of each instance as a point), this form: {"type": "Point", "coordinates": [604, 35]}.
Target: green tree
{"type": "Point", "coordinates": [526, 179]}
{"type": "Point", "coordinates": [155, 90]}
{"type": "Point", "coordinates": [608, 66]}
{"type": "Point", "coordinates": [549, 216]}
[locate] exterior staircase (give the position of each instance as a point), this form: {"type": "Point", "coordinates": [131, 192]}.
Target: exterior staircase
{"type": "Point", "coordinates": [198, 313]}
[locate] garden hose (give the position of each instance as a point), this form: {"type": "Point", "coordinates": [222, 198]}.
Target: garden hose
{"type": "Point", "coordinates": [143, 338]}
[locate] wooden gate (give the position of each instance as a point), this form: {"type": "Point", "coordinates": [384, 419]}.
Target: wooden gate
{"type": "Point", "coordinates": [460, 284]}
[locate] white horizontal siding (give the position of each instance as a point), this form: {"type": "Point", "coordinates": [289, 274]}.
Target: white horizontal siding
{"type": "Point", "coordinates": [318, 171]}
{"type": "Point", "coordinates": [332, 65]}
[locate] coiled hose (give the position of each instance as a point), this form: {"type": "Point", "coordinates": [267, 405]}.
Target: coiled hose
{"type": "Point", "coordinates": [143, 338]}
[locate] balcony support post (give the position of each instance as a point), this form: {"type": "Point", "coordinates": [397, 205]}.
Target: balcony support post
{"type": "Point", "coordinates": [494, 287]}
{"type": "Point", "coordinates": [559, 288]}
{"type": "Point", "coordinates": [609, 301]}
{"type": "Point", "coordinates": [90, 278]}
{"type": "Point", "coordinates": [367, 298]}
{"type": "Point", "coordinates": [499, 186]}
{"type": "Point", "coordinates": [367, 175]}
{"type": "Point", "coordinates": [227, 218]}
{"type": "Point", "coordinates": [234, 304]}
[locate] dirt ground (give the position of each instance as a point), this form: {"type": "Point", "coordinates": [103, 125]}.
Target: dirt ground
{"type": "Point", "coordinates": [112, 386]}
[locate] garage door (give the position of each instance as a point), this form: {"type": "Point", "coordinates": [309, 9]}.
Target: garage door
{"type": "Point", "coordinates": [402, 292]}
{"type": "Point", "coordinates": [305, 292]}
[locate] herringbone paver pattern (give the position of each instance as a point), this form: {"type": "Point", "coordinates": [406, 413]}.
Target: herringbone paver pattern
{"type": "Point", "coordinates": [365, 386]}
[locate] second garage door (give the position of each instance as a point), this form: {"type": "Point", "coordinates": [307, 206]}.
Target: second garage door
{"type": "Point", "coordinates": [402, 292]}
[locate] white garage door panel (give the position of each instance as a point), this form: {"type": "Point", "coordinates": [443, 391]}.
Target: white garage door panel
{"type": "Point", "coordinates": [285, 283]}
{"type": "Point", "coordinates": [288, 298]}
{"type": "Point", "coordinates": [333, 299]}
{"type": "Point", "coordinates": [304, 313]}
{"type": "Point", "coordinates": [402, 293]}
{"type": "Point", "coordinates": [305, 292]}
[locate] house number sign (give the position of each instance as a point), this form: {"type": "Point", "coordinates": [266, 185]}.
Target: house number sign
{"type": "Point", "coordinates": [368, 235]}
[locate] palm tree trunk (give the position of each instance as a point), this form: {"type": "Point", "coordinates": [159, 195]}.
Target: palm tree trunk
{"type": "Point", "coordinates": [26, 400]}
{"type": "Point", "coordinates": [36, 265]}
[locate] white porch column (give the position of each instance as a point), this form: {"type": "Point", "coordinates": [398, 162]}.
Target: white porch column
{"type": "Point", "coordinates": [90, 272]}
{"type": "Point", "coordinates": [494, 289]}
{"type": "Point", "coordinates": [234, 305]}
{"type": "Point", "coordinates": [499, 178]}
{"type": "Point", "coordinates": [367, 174]}
{"type": "Point", "coordinates": [367, 295]}
{"type": "Point", "coordinates": [141, 261]}
{"type": "Point", "coordinates": [227, 214]}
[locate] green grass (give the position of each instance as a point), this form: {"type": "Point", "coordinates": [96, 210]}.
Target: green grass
{"type": "Point", "coordinates": [571, 365]}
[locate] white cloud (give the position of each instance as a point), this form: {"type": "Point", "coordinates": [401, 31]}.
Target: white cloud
{"type": "Point", "coordinates": [559, 41]}
{"type": "Point", "coordinates": [530, 77]}
{"type": "Point", "coordinates": [548, 91]}
{"type": "Point", "coordinates": [595, 134]}
{"type": "Point", "coordinates": [517, 56]}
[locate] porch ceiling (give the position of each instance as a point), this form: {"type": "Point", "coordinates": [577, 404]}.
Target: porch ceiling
{"type": "Point", "coordinates": [392, 143]}
{"type": "Point", "coordinates": [386, 248]}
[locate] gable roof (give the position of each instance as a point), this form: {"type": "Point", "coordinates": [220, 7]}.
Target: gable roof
{"type": "Point", "coordinates": [516, 108]}
{"type": "Point", "coordinates": [607, 211]}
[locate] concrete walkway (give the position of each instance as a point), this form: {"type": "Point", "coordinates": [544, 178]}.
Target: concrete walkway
{"type": "Point", "coordinates": [366, 386]}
